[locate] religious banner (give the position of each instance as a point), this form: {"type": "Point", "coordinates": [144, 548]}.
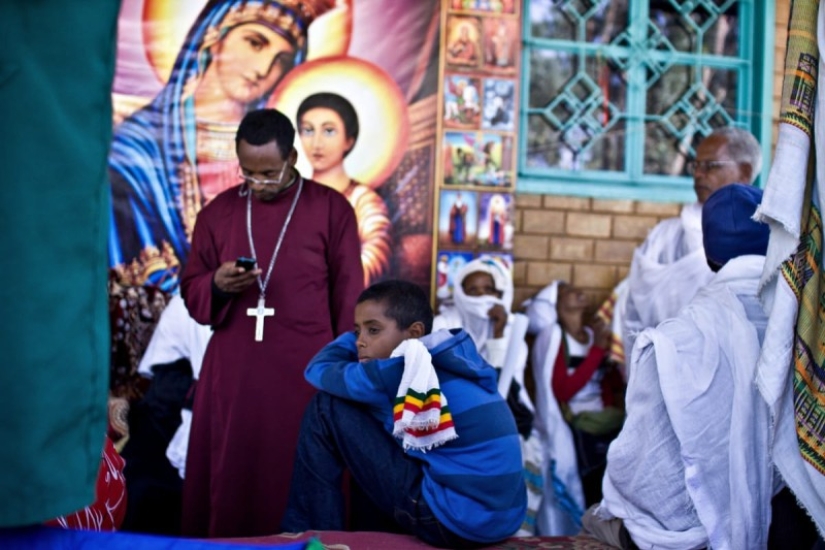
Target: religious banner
{"type": "Point", "coordinates": [359, 80]}
{"type": "Point", "coordinates": [478, 130]}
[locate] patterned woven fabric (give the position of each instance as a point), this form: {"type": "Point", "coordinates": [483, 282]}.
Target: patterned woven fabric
{"type": "Point", "coordinates": [804, 275]}
{"type": "Point", "coordinates": [801, 62]}
{"type": "Point", "coordinates": [803, 270]}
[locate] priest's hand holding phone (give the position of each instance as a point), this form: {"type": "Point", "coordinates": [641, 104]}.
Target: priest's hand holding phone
{"type": "Point", "coordinates": [234, 276]}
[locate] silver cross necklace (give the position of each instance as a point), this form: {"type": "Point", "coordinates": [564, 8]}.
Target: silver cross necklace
{"type": "Point", "coordinates": [262, 311]}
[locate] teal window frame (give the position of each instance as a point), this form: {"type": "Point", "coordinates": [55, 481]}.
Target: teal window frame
{"type": "Point", "coordinates": [754, 106]}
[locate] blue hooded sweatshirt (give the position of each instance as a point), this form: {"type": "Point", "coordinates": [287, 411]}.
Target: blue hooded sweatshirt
{"type": "Point", "coordinates": [473, 484]}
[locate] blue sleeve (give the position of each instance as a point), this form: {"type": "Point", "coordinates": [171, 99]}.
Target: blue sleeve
{"type": "Point", "coordinates": [336, 370]}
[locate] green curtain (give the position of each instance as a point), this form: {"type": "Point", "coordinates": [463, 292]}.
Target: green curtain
{"type": "Point", "coordinates": [56, 71]}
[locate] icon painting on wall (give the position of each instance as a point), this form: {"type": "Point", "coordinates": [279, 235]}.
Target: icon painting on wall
{"type": "Point", "coordinates": [495, 223]}
{"type": "Point", "coordinates": [448, 264]}
{"type": "Point", "coordinates": [462, 101]}
{"type": "Point", "coordinates": [499, 104]}
{"type": "Point", "coordinates": [458, 218]}
{"type": "Point", "coordinates": [463, 48]}
{"type": "Point", "coordinates": [500, 44]}
{"type": "Point", "coordinates": [472, 158]}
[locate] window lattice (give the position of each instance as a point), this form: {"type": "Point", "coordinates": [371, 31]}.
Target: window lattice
{"type": "Point", "coordinates": [623, 90]}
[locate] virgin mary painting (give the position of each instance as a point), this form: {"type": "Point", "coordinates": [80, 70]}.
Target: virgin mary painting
{"type": "Point", "coordinates": [174, 155]}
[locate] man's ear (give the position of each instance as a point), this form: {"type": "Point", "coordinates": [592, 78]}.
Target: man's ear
{"type": "Point", "coordinates": [293, 156]}
{"type": "Point", "coordinates": [746, 171]}
{"type": "Point", "coordinates": [416, 330]}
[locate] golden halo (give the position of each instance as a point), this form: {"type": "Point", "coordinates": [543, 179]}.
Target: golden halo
{"type": "Point", "coordinates": [164, 26]}
{"type": "Point", "coordinates": [166, 23]}
{"type": "Point", "coordinates": [382, 112]}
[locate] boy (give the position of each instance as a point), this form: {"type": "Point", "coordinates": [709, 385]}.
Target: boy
{"type": "Point", "coordinates": [482, 306]}
{"type": "Point", "coordinates": [454, 493]}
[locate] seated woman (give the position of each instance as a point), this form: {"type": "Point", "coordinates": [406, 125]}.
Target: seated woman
{"type": "Point", "coordinates": [481, 305]}
{"type": "Point", "coordinates": [328, 127]}
{"type": "Point", "coordinates": [580, 408]}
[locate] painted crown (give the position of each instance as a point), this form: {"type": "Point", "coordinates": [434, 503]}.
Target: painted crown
{"type": "Point", "coordinates": [289, 18]}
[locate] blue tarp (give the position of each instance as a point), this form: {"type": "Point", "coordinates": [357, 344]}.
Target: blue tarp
{"type": "Point", "coordinates": [53, 538]}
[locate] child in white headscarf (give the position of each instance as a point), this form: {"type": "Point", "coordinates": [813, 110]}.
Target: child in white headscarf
{"type": "Point", "coordinates": [482, 302]}
{"type": "Point", "coordinates": [576, 401]}
{"type": "Point", "coordinates": [482, 298]}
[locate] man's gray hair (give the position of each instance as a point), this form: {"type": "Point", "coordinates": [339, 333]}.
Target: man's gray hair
{"type": "Point", "coordinates": [742, 147]}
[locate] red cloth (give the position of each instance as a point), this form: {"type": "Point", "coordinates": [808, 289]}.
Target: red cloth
{"type": "Point", "coordinates": [251, 395]}
{"type": "Point", "coordinates": [566, 386]}
{"type": "Point", "coordinates": [106, 513]}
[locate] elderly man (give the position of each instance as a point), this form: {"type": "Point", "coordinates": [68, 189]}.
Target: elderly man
{"type": "Point", "coordinates": [691, 467]}
{"type": "Point", "coordinates": [668, 268]}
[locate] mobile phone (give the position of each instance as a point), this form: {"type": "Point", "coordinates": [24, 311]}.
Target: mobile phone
{"type": "Point", "coordinates": [247, 263]}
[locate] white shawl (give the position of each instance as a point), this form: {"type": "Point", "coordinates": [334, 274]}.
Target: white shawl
{"type": "Point", "coordinates": [691, 467]}
{"type": "Point", "coordinates": [667, 270]}
{"type": "Point", "coordinates": [177, 336]}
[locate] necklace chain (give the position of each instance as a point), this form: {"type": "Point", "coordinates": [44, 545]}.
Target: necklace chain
{"type": "Point", "coordinates": [263, 284]}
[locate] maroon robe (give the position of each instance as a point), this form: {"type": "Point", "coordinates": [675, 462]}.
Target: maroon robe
{"type": "Point", "coordinates": [251, 395]}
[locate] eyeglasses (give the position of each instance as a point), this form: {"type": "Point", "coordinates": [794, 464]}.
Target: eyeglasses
{"type": "Point", "coordinates": [249, 180]}
{"type": "Point", "coordinates": [707, 165]}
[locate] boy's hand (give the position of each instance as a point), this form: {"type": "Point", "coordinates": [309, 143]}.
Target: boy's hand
{"type": "Point", "coordinates": [498, 315]}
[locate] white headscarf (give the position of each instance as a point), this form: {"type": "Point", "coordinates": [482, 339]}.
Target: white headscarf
{"type": "Point", "coordinates": [541, 309]}
{"type": "Point", "coordinates": [473, 309]}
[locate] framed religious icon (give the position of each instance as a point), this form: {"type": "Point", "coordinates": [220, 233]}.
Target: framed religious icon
{"type": "Point", "coordinates": [489, 6]}
{"type": "Point", "coordinates": [463, 43]}
{"type": "Point", "coordinates": [496, 160]}
{"type": "Point", "coordinates": [495, 223]}
{"type": "Point", "coordinates": [471, 158]}
{"type": "Point", "coordinates": [448, 263]}
{"type": "Point", "coordinates": [499, 104]}
{"type": "Point", "coordinates": [503, 258]}
{"type": "Point", "coordinates": [458, 218]}
{"type": "Point", "coordinates": [500, 42]}
{"type": "Point", "coordinates": [462, 102]}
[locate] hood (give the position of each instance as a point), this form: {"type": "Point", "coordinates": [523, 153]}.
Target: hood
{"type": "Point", "coordinates": [455, 352]}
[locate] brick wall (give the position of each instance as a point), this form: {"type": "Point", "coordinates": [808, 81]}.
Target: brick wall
{"type": "Point", "coordinates": [590, 242]}
{"type": "Point", "coordinates": [587, 242]}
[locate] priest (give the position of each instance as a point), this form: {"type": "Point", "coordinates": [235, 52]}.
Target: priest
{"type": "Point", "coordinates": [269, 319]}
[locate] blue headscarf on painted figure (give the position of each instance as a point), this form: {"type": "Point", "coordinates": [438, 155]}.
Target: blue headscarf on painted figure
{"type": "Point", "coordinates": [156, 193]}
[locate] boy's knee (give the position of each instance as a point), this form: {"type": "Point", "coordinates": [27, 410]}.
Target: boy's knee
{"type": "Point", "coordinates": [328, 406]}
{"type": "Point", "coordinates": [320, 404]}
